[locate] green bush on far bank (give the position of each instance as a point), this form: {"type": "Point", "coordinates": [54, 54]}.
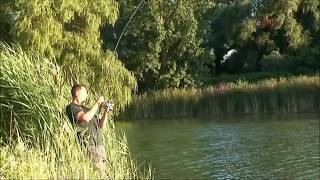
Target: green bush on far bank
{"type": "Point", "coordinates": [282, 95]}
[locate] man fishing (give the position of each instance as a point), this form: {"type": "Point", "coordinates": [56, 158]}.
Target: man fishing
{"type": "Point", "coordinates": [89, 125]}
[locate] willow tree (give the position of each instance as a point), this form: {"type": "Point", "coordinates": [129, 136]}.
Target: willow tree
{"type": "Point", "coordinates": [68, 32]}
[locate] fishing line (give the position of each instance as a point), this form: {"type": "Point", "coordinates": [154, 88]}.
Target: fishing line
{"type": "Point", "coordinates": [115, 49]}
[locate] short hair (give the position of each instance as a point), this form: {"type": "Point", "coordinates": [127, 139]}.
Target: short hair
{"type": "Point", "coordinates": [75, 88]}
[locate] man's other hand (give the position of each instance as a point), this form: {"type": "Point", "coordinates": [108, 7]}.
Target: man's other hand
{"type": "Point", "coordinates": [100, 100]}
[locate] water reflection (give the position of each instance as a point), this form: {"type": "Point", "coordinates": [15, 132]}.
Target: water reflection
{"type": "Point", "coordinates": [269, 146]}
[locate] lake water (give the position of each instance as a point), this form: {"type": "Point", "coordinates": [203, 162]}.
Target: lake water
{"type": "Point", "coordinates": [268, 147]}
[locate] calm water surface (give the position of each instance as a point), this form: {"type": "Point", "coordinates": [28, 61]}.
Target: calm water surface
{"type": "Point", "coordinates": [268, 147]}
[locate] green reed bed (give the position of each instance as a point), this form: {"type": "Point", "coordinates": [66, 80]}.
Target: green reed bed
{"type": "Point", "coordinates": [281, 95]}
{"type": "Point", "coordinates": [36, 139]}
{"type": "Point", "coordinates": [249, 77]}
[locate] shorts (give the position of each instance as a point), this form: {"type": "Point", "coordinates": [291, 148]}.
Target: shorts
{"type": "Point", "coordinates": [97, 154]}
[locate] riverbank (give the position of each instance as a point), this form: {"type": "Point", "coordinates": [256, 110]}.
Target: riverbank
{"type": "Point", "coordinates": [276, 95]}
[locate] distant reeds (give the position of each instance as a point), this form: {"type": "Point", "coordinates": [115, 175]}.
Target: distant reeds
{"type": "Point", "coordinates": [36, 139]}
{"type": "Point", "coordinates": [276, 95]}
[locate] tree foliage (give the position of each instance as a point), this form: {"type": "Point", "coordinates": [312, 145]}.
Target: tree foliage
{"type": "Point", "coordinates": [186, 42]}
{"type": "Point", "coordinates": [167, 43]}
{"type": "Point", "coordinates": [260, 28]}
{"type": "Point", "coordinates": [69, 33]}
{"type": "Point", "coordinates": [161, 44]}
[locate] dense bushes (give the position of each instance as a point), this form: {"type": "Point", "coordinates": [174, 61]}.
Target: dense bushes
{"type": "Point", "coordinates": [307, 60]}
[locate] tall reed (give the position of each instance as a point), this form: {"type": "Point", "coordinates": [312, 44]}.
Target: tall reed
{"type": "Point", "coordinates": [281, 95]}
{"type": "Point", "coordinates": [36, 139]}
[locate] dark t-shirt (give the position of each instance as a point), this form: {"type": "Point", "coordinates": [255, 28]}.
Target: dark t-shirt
{"type": "Point", "coordinates": [88, 133]}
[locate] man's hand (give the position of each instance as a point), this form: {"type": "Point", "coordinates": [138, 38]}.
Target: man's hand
{"type": "Point", "coordinates": [100, 100]}
{"type": "Point", "coordinates": [108, 106]}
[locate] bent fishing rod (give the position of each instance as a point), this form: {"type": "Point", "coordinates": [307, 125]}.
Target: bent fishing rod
{"type": "Point", "coordinates": [125, 27]}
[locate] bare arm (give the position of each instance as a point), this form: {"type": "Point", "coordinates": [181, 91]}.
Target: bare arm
{"type": "Point", "coordinates": [103, 121]}
{"type": "Point", "coordinates": [87, 116]}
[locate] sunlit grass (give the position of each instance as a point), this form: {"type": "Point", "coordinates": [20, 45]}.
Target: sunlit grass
{"type": "Point", "coordinates": [66, 160]}
{"type": "Point", "coordinates": [36, 139]}
{"type": "Point", "coordinates": [281, 95]}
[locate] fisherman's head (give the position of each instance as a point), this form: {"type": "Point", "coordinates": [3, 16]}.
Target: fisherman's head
{"type": "Point", "coordinates": [79, 93]}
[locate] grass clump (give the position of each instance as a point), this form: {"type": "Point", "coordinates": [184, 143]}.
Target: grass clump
{"type": "Point", "coordinates": [36, 139]}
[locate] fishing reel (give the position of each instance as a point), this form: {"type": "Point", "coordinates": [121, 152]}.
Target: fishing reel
{"type": "Point", "coordinates": [108, 106]}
